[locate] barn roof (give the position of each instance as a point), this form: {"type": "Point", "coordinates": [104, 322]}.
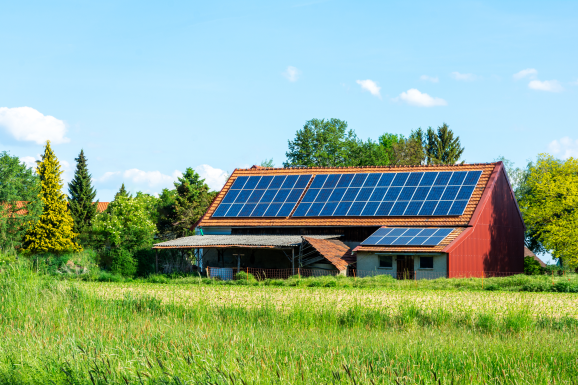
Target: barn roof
{"type": "Point", "coordinates": [209, 220]}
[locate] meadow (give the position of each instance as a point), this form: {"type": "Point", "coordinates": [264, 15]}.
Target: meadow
{"type": "Point", "coordinates": [370, 330]}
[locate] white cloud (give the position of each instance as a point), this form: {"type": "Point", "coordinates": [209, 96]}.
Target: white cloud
{"type": "Point", "coordinates": [465, 77]}
{"type": "Point", "coordinates": [214, 177]}
{"type": "Point", "coordinates": [27, 124]}
{"type": "Point", "coordinates": [575, 83]}
{"type": "Point", "coordinates": [531, 72]}
{"type": "Point", "coordinates": [370, 86]}
{"type": "Point", "coordinates": [564, 148]}
{"type": "Point", "coordinates": [108, 175]}
{"type": "Point", "coordinates": [430, 78]}
{"type": "Point", "coordinates": [546, 85]}
{"type": "Point", "coordinates": [292, 73]}
{"type": "Point", "coordinates": [151, 178]}
{"type": "Point", "coordinates": [29, 161]}
{"type": "Point", "coordinates": [416, 98]}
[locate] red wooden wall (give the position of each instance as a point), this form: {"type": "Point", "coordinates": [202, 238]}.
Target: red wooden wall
{"type": "Point", "coordinates": [495, 240]}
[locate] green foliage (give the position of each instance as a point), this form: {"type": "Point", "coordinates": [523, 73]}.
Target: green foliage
{"type": "Point", "coordinates": [548, 203]}
{"type": "Point", "coordinates": [19, 202]}
{"type": "Point", "coordinates": [122, 262]}
{"type": "Point", "coordinates": [267, 163]}
{"type": "Point", "coordinates": [122, 193]}
{"type": "Point", "coordinates": [81, 199]}
{"type": "Point", "coordinates": [532, 267]}
{"type": "Point", "coordinates": [323, 143]}
{"type": "Point", "coordinates": [53, 232]}
{"type": "Point", "coordinates": [191, 202]}
{"type": "Point", "coordinates": [128, 223]}
{"type": "Point", "coordinates": [441, 147]}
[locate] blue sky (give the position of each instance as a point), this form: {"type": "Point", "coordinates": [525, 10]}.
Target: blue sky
{"type": "Point", "coordinates": [148, 89]}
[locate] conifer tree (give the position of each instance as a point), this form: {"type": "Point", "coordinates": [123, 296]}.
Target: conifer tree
{"type": "Point", "coordinates": [122, 192]}
{"type": "Point", "coordinates": [54, 230]}
{"type": "Point", "coordinates": [81, 197]}
{"type": "Point", "coordinates": [441, 146]}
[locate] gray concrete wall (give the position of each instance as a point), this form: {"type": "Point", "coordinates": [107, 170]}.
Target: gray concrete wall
{"type": "Point", "coordinates": [440, 267]}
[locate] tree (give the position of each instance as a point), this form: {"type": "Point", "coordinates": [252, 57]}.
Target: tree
{"type": "Point", "coordinates": [323, 143]}
{"type": "Point", "coordinates": [53, 232]}
{"type": "Point", "coordinates": [81, 198]}
{"type": "Point", "coordinates": [410, 151]}
{"type": "Point", "coordinates": [166, 214]}
{"type": "Point", "coordinates": [122, 192]}
{"type": "Point", "coordinates": [19, 202]}
{"type": "Point", "coordinates": [128, 224]}
{"type": "Point", "coordinates": [441, 147]}
{"type": "Point", "coordinates": [549, 202]}
{"type": "Point", "coordinates": [267, 163]}
{"type": "Point", "coordinates": [192, 200]}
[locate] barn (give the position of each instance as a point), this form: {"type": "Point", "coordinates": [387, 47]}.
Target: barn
{"type": "Point", "coordinates": [406, 221]}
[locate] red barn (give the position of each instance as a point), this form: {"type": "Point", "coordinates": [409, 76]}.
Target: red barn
{"type": "Point", "coordinates": [409, 221]}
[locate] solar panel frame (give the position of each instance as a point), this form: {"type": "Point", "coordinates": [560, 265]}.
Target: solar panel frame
{"type": "Point", "coordinates": [396, 236]}
{"type": "Point", "coordinates": [390, 194]}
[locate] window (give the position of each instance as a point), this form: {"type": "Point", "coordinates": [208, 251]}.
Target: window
{"type": "Point", "coordinates": [426, 262]}
{"type": "Point", "coordinates": [385, 261]}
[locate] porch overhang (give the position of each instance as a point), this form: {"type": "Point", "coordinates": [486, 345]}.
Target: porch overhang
{"type": "Point", "coordinates": [238, 241]}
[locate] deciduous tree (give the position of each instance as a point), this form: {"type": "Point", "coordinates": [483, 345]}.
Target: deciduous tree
{"type": "Point", "coordinates": [20, 205]}
{"type": "Point", "coordinates": [549, 204]}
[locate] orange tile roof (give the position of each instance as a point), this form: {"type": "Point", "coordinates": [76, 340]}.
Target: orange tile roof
{"type": "Point", "coordinates": [101, 206]}
{"type": "Point", "coordinates": [412, 249]}
{"type": "Point", "coordinates": [336, 252]}
{"type": "Point", "coordinates": [462, 220]}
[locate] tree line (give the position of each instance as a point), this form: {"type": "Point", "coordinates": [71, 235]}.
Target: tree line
{"type": "Point", "coordinates": [50, 221]}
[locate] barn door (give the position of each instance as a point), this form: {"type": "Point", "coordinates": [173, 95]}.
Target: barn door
{"type": "Point", "coordinates": [405, 267]}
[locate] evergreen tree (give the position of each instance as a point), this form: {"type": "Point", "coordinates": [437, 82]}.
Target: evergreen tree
{"type": "Point", "coordinates": [122, 192]}
{"type": "Point", "coordinates": [191, 201]}
{"type": "Point", "coordinates": [81, 197]}
{"type": "Point", "coordinates": [54, 230]}
{"type": "Point", "coordinates": [441, 146]}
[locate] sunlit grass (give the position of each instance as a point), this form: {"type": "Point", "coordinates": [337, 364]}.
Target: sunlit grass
{"type": "Point", "coordinates": [65, 332]}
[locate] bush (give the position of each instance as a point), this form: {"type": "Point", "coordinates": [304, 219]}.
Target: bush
{"type": "Point", "coordinates": [122, 262]}
{"type": "Point", "coordinates": [244, 276]}
{"type": "Point", "coordinates": [537, 286]}
{"type": "Point", "coordinates": [532, 267]}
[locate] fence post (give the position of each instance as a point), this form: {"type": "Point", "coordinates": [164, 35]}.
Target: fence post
{"type": "Point", "coordinates": [208, 272]}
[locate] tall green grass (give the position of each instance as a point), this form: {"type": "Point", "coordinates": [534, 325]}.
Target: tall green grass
{"type": "Point", "coordinates": [62, 332]}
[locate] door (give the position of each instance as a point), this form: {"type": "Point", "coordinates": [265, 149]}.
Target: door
{"type": "Point", "coordinates": [405, 267]}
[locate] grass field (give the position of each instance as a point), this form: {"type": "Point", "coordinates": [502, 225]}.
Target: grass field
{"type": "Point", "coordinates": [74, 332]}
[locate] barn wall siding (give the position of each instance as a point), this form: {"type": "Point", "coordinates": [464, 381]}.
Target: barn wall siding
{"type": "Point", "coordinates": [495, 243]}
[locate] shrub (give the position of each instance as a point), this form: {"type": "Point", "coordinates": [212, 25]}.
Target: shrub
{"type": "Point", "coordinates": [122, 262]}
{"type": "Point", "coordinates": [532, 267]}
{"type": "Point", "coordinates": [537, 286]}
{"type": "Point", "coordinates": [244, 276]}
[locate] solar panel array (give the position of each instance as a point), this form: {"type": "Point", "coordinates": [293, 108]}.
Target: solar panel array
{"type": "Point", "coordinates": [389, 194]}
{"type": "Point", "coordinates": [407, 237]}
{"type": "Point", "coordinates": [443, 193]}
{"type": "Point", "coordinates": [262, 196]}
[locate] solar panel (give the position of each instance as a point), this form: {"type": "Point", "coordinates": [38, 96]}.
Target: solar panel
{"type": "Point", "coordinates": [407, 237]}
{"type": "Point", "coordinates": [370, 194]}
{"type": "Point", "coordinates": [264, 196]}
{"type": "Point", "coordinates": [390, 194]}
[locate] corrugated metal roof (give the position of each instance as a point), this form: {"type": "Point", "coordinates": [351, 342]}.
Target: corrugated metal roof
{"type": "Point", "coordinates": [202, 241]}
{"type": "Point", "coordinates": [398, 221]}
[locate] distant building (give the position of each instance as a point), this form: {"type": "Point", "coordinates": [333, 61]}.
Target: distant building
{"type": "Point", "coordinates": [409, 222]}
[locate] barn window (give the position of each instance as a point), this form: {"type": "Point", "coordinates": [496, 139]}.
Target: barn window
{"type": "Point", "coordinates": [426, 262]}
{"type": "Point", "coordinates": [385, 261]}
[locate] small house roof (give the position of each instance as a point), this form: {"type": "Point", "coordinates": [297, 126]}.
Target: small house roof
{"type": "Point", "coordinates": [413, 249]}
{"type": "Point", "coordinates": [335, 251]}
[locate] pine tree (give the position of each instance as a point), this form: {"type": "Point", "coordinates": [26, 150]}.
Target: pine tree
{"type": "Point", "coordinates": [122, 192]}
{"type": "Point", "coordinates": [192, 200]}
{"type": "Point", "coordinates": [81, 197]}
{"type": "Point", "coordinates": [442, 147]}
{"type": "Point", "coordinates": [54, 230]}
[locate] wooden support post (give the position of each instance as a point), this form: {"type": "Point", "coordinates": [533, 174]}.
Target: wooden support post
{"type": "Point", "coordinates": [157, 261]}
{"type": "Point", "coordinates": [292, 261]}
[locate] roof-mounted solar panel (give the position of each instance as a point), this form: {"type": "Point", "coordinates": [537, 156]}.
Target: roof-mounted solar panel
{"type": "Point", "coordinates": [424, 193]}
{"type": "Point", "coordinates": [407, 237]}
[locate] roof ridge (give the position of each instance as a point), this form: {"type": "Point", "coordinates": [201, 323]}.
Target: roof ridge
{"type": "Point", "coordinates": [368, 167]}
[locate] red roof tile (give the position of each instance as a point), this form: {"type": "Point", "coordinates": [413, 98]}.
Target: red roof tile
{"type": "Point", "coordinates": [336, 252]}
